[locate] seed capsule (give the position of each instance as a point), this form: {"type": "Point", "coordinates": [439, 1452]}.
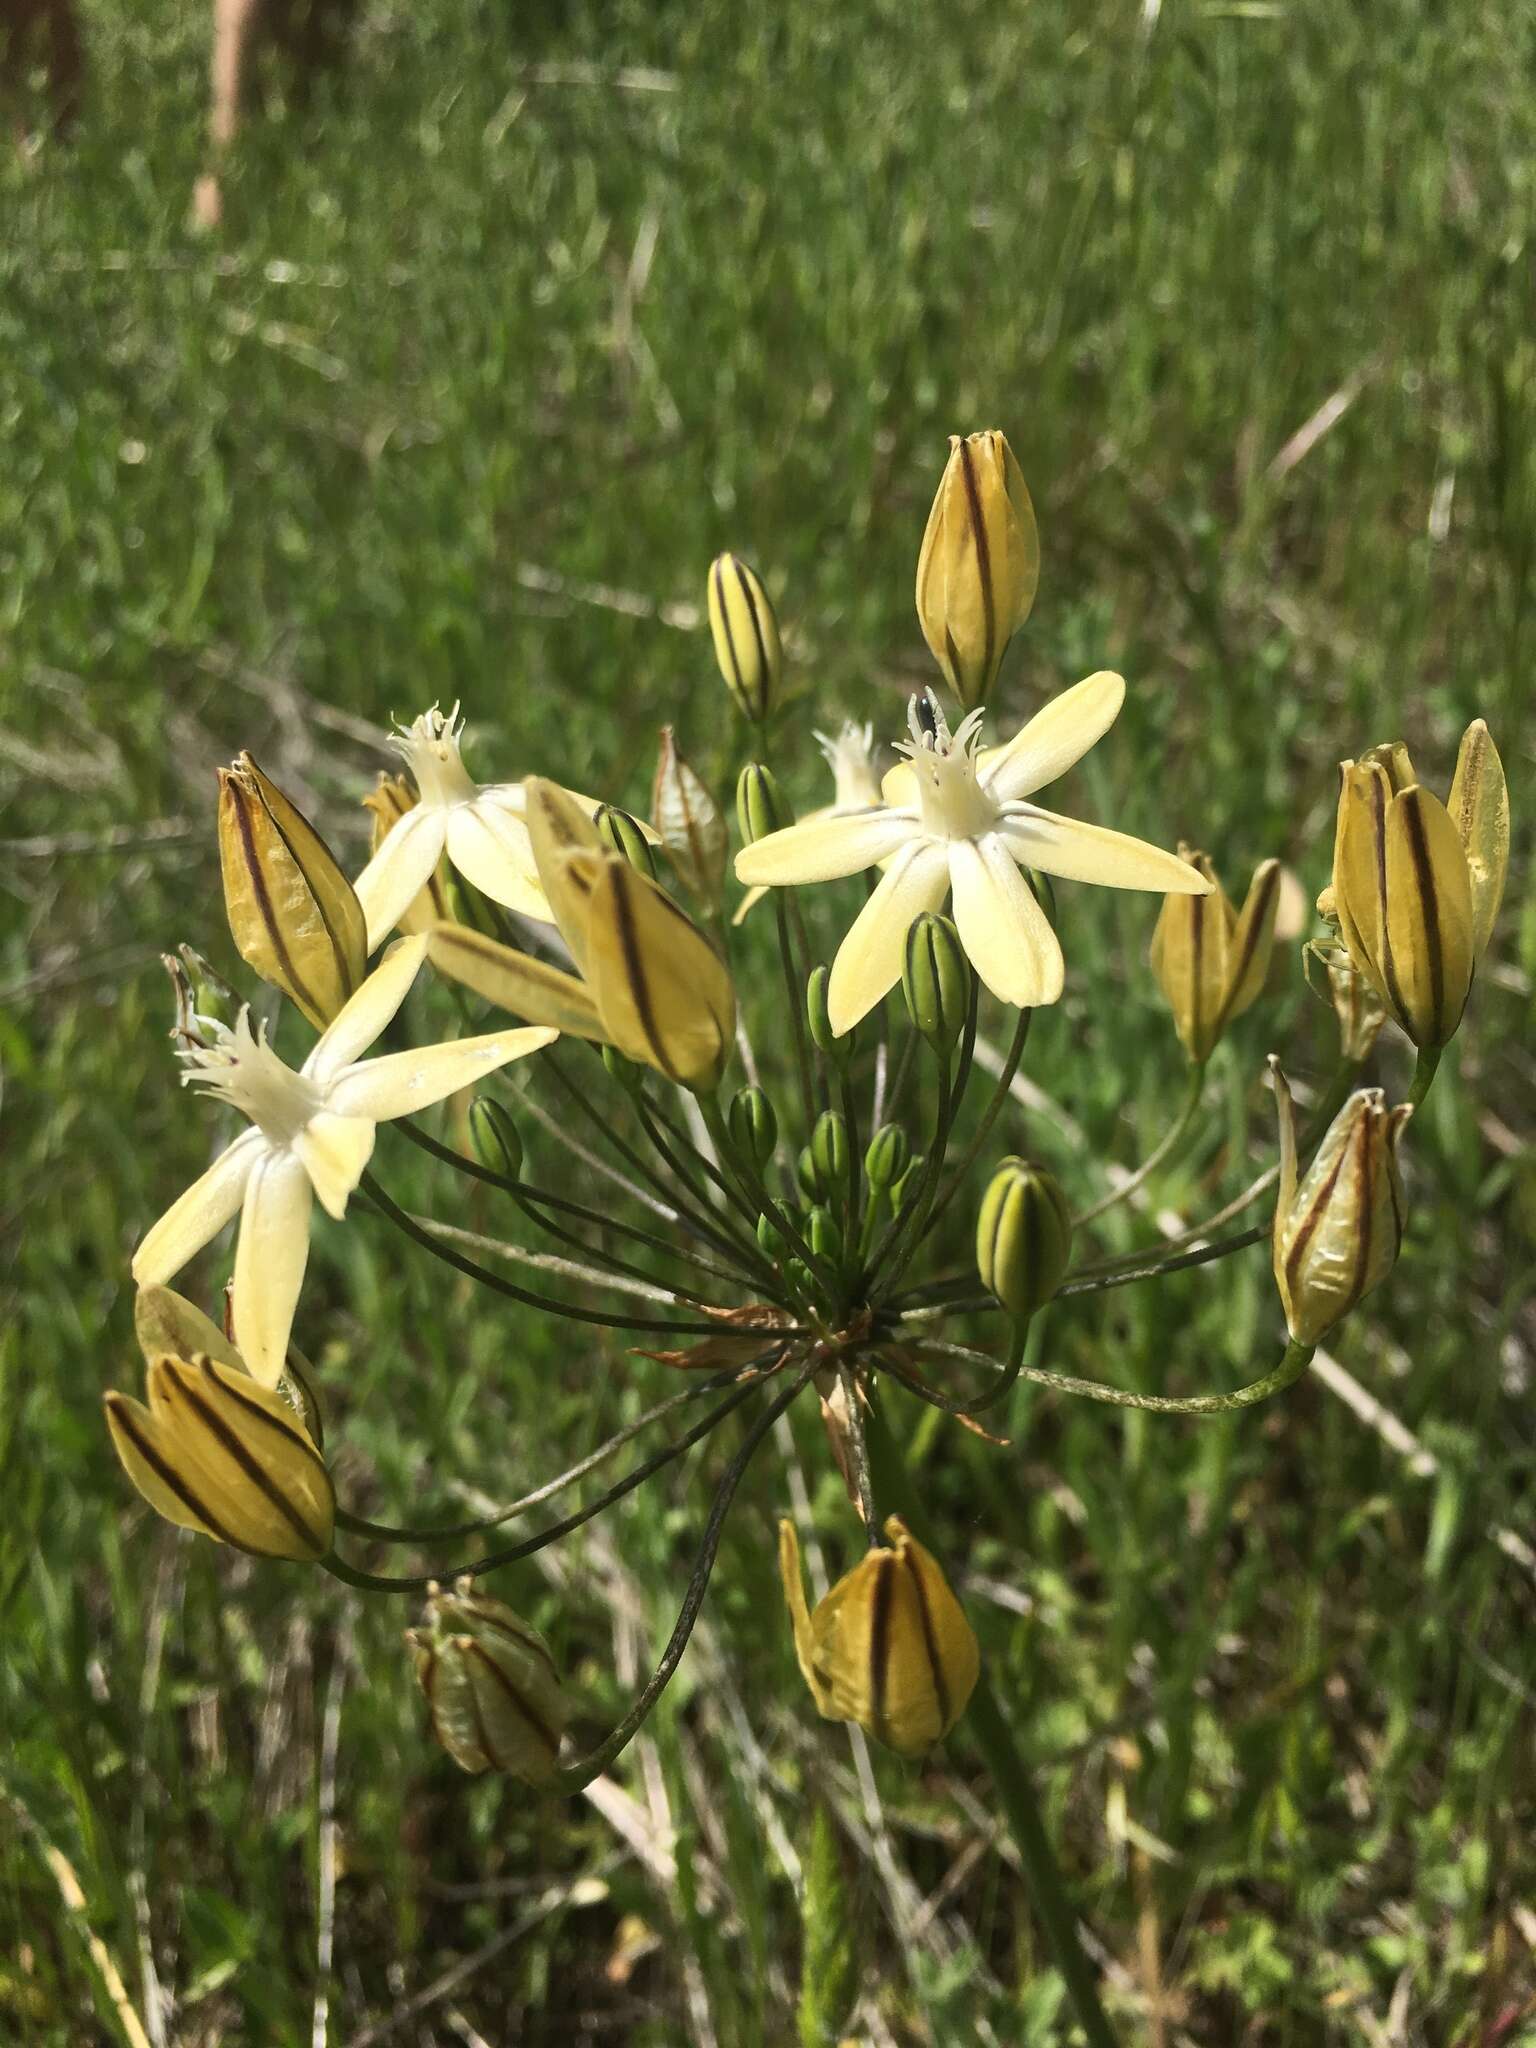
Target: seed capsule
{"type": "Point", "coordinates": [1337, 1233]}
{"type": "Point", "coordinates": [494, 1695]}
{"type": "Point", "coordinates": [1210, 961]}
{"type": "Point", "coordinates": [888, 1157]}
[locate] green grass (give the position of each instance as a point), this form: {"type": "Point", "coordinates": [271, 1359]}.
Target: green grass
{"type": "Point", "coordinates": [473, 341]}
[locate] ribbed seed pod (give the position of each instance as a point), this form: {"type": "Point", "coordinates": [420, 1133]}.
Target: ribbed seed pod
{"type": "Point", "coordinates": [494, 1696]}
{"type": "Point", "coordinates": [888, 1157]}
{"type": "Point", "coordinates": [497, 1141]}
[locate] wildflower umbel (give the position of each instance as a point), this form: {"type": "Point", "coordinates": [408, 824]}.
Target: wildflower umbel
{"type": "Point", "coordinates": [312, 1133]}
{"type": "Point", "coordinates": [956, 818]}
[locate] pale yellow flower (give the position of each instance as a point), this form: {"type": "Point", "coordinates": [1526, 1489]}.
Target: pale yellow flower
{"type": "Point", "coordinates": [479, 827]}
{"type": "Point", "coordinates": [955, 818]}
{"type": "Point", "coordinates": [312, 1133]}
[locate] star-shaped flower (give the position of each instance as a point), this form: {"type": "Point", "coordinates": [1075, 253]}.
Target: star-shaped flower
{"type": "Point", "coordinates": [312, 1134]}
{"type": "Point", "coordinates": [478, 826]}
{"type": "Point", "coordinates": [955, 817]}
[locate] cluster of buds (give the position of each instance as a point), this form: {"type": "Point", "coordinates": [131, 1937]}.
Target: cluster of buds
{"type": "Point", "coordinates": [789, 1260]}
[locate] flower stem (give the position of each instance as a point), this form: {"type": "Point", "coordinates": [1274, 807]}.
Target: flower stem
{"type": "Point", "coordinates": [1424, 1073]}
{"type": "Point", "coordinates": [1172, 1138]}
{"type": "Point", "coordinates": [995, 1739]}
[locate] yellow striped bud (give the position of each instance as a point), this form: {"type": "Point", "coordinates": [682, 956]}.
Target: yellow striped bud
{"type": "Point", "coordinates": [1337, 1233]}
{"type": "Point", "coordinates": [663, 993]}
{"type": "Point", "coordinates": [1416, 887]}
{"type": "Point", "coordinates": [492, 1690]}
{"type": "Point", "coordinates": [623, 834]}
{"type": "Point", "coordinates": [689, 823]}
{"type": "Point", "coordinates": [293, 913]}
{"type": "Point", "coordinates": [746, 636]}
{"type": "Point", "coordinates": [979, 564]}
{"type": "Point", "coordinates": [218, 1453]}
{"type": "Point", "coordinates": [1023, 1236]}
{"type": "Point", "coordinates": [1210, 960]}
{"type": "Point", "coordinates": [889, 1647]}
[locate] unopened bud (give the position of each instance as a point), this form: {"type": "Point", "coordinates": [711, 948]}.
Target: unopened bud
{"type": "Point", "coordinates": [624, 835]}
{"type": "Point", "coordinates": [888, 1157]}
{"type": "Point", "coordinates": [754, 1127]}
{"type": "Point", "coordinates": [889, 1647]}
{"type": "Point", "coordinates": [492, 1689]}
{"type": "Point", "coordinates": [829, 1147]}
{"type": "Point", "coordinates": [822, 1035]}
{"type": "Point", "coordinates": [746, 636]}
{"type": "Point", "coordinates": [824, 1235]}
{"type": "Point", "coordinates": [1338, 1231]}
{"type": "Point", "coordinates": [292, 912]}
{"type": "Point", "coordinates": [770, 1238]}
{"type": "Point", "coordinates": [496, 1139]}
{"type": "Point", "coordinates": [813, 1182]}
{"type": "Point", "coordinates": [759, 807]}
{"type": "Point", "coordinates": [1023, 1236]}
{"type": "Point", "coordinates": [689, 823]}
{"type": "Point", "coordinates": [1210, 961]}
{"type": "Point", "coordinates": [216, 1452]}
{"type": "Point", "coordinates": [936, 980]}
{"type": "Point", "coordinates": [979, 564]}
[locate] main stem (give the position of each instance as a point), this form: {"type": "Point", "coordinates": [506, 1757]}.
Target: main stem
{"type": "Point", "coordinates": [994, 1738]}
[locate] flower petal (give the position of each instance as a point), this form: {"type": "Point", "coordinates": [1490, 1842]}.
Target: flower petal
{"type": "Point", "coordinates": [869, 960]}
{"type": "Point", "coordinates": [491, 848]}
{"type": "Point", "coordinates": [402, 867]}
{"type": "Point", "coordinates": [824, 849]}
{"type": "Point", "coordinates": [1054, 739]}
{"type": "Point", "coordinates": [401, 1082]}
{"type": "Point", "coordinates": [529, 988]}
{"type": "Point", "coordinates": [197, 1217]}
{"type": "Point", "coordinates": [334, 1148]}
{"type": "Point", "coordinates": [1007, 936]}
{"type": "Point", "coordinates": [270, 1261]}
{"type": "Point", "coordinates": [1092, 853]}
{"type": "Point", "coordinates": [359, 1023]}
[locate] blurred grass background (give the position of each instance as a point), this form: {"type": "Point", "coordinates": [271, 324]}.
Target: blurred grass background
{"type": "Point", "coordinates": [510, 328]}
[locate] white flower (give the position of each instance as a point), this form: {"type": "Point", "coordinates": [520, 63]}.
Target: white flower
{"type": "Point", "coordinates": [480, 828]}
{"type": "Point", "coordinates": [955, 818]}
{"type": "Point", "coordinates": [312, 1134]}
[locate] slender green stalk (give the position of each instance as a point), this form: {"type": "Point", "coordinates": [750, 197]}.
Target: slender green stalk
{"type": "Point", "coordinates": [422, 1236]}
{"type": "Point", "coordinates": [1292, 1365]}
{"type": "Point", "coordinates": [1424, 1071]}
{"type": "Point", "coordinates": [373, 1582]}
{"type": "Point", "coordinates": [757, 1189]}
{"type": "Point", "coordinates": [989, 1115]}
{"type": "Point", "coordinates": [995, 1739]}
{"type": "Point", "coordinates": [794, 993]}
{"type": "Point", "coordinates": [389, 1532]}
{"type": "Point", "coordinates": [1170, 1142]}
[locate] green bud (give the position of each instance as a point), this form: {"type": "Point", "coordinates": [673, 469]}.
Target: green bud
{"type": "Point", "coordinates": [746, 636]}
{"type": "Point", "coordinates": [907, 1185]}
{"type": "Point", "coordinates": [759, 807]}
{"type": "Point", "coordinates": [620, 1069]}
{"type": "Point", "coordinates": [836, 1049]}
{"type": "Point", "coordinates": [754, 1127]}
{"type": "Point", "coordinates": [769, 1238]}
{"type": "Point", "coordinates": [800, 1276]}
{"type": "Point", "coordinates": [888, 1157]}
{"type": "Point", "coordinates": [498, 1147]}
{"type": "Point", "coordinates": [622, 834]}
{"type": "Point", "coordinates": [936, 980]}
{"type": "Point", "coordinates": [1023, 1236]}
{"type": "Point", "coordinates": [813, 1182]}
{"type": "Point", "coordinates": [826, 1239]}
{"type": "Point", "coordinates": [829, 1147]}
